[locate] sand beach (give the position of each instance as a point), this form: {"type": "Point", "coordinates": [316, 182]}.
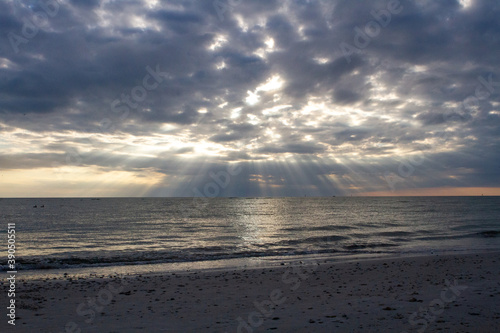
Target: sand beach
{"type": "Point", "coordinates": [449, 293]}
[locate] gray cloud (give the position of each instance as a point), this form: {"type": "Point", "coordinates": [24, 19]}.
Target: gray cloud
{"type": "Point", "coordinates": [400, 95]}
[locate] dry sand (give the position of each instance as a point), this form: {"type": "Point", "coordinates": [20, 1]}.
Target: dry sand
{"type": "Point", "coordinates": [452, 293]}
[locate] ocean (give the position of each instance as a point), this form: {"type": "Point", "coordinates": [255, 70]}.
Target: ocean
{"type": "Point", "coordinates": [128, 233]}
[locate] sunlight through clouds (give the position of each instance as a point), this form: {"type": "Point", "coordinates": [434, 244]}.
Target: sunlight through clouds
{"type": "Point", "coordinates": [174, 90]}
{"type": "Point", "coordinates": [252, 98]}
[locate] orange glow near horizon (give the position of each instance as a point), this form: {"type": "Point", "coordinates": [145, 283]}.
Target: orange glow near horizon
{"type": "Point", "coordinates": [440, 191]}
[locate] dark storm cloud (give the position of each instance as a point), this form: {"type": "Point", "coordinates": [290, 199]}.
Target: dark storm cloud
{"type": "Point", "coordinates": [346, 96]}
{"type": "Point", "coordinates": [226, 137]}
{"type": "Point", "coordinates": [85, 72]}
{"type": "Point", "coordinates": [297, 148]}
{"type": "Point", "coordinates": [88, 4]}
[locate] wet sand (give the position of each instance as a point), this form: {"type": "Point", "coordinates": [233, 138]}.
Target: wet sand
{"type": "Point", "coordinates": [449, 293]}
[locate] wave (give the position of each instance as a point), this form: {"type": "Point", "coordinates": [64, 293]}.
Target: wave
{"type": "Point", "coordinates": [313, 240]}
{"type": "Point", "coordinates": [394, 233]}
{"type": "Point", "coordinates": [332, 228]}
{"type": "Point", "coordinates": [338, 244]}
{"type": "Point", "coordinates": [193, 255]}
{"type": "Point", "coordinates": [480, 234]}
{"type": "Point", "coordinates": [489, 233]}
{"type": "Point", "coordinates": [27, 264]}
{"type": "Point", "coordinates": [321, 228]}
{"type": "Point", "coordinates": [358, 246]}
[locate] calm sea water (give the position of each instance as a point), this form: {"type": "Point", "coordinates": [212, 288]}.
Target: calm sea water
{"type": "Point", "coordinates": [69, 233]}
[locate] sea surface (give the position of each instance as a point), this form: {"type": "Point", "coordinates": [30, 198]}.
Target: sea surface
{"type": "Point", "coordinates": [90, 232]}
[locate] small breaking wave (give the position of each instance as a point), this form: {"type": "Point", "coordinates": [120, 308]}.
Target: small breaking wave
{"type": "Point", "coordinates": [358, 246]}
{"type": "Point", "coordinates": [489, 233]}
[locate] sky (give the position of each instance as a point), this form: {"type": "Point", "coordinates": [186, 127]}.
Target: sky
{"type": "Point", "coordinates": [249, 98]}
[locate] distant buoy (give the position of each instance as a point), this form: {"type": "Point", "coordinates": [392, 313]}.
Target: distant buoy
{"type": "Point", "coordinates": [42, 206]}
{"type": "Point", "coordinates": [34, 206]}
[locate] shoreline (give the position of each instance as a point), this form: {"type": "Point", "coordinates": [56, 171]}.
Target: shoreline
{"type": "Point", "coordinates": [360, 294]}
{"type": "Point", "coordinates": [235, 263]}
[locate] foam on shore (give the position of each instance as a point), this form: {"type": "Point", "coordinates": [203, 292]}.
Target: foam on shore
{"type": "Point", "coordinates": [459, 292]}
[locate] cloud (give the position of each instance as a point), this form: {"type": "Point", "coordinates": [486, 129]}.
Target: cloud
{"type": "Point", "coordinates": [264, 84]}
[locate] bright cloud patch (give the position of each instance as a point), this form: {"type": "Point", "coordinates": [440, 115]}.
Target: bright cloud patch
{"type": "Point", "coordinates": [149, 97]}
